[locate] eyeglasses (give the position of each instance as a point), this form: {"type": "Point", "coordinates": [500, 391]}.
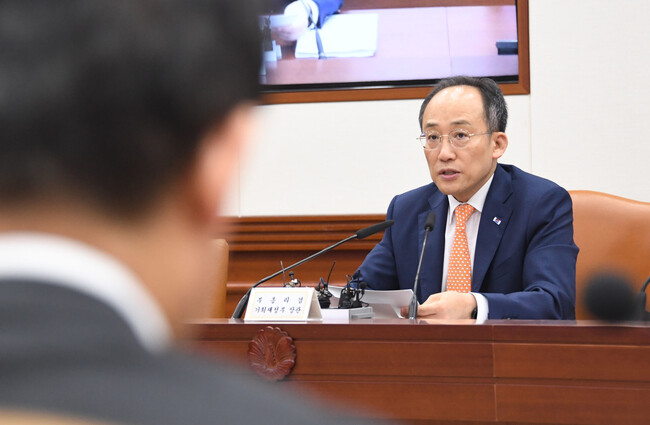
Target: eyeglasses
{"type": "Point", "coordinates": [459, 138]}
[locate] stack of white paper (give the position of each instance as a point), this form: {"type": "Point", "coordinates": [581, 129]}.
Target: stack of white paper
{"type": "Point", "coordinates": [385, 304]}
{"type": "Point", "coordinates": [352, 35]}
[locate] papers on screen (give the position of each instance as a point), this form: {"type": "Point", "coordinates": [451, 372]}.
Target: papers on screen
{"type": "Point", "coordinates": [386, 304]}
{"type": "Point", "coordinates": [350, 35]}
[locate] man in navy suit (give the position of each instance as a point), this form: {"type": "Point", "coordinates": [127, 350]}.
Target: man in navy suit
{"type": "Point", "coordinates": [519, 235]}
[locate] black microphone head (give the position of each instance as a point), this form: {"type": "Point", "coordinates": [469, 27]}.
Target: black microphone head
{"type": "Point", "coordinates": [430, 222]}
{"type": "Point", "coordinates": [610, 297]}
{"type": "Point", "coordinates": [375, 228]}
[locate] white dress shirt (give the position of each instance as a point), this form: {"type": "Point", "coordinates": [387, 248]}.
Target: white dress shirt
{"type": "Point", "coordinates": [471, 229]}
{"type": "Point", "coordinates": [69, 263]}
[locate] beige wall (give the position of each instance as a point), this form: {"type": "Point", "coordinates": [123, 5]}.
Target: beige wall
{"type": "Point", "coordinates": [590, 110]}
{"type": "Point", "coordinates": [584, 125]}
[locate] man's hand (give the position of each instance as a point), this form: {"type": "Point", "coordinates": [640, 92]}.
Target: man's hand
{"type": "Point", "coordinates": [446, 305]}
{"type": "Point", "coordinates": [299, 21]}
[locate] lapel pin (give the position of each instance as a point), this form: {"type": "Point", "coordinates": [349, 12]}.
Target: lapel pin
{"type": "Point", "coordinates": [496, 220]}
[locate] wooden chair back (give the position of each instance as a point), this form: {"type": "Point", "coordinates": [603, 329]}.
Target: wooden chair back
{"type": "Point", "coordinates": [613, 234]}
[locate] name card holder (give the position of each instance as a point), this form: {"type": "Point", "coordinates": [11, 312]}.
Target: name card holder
{"type": "Point", "coordinates": [283, 304]}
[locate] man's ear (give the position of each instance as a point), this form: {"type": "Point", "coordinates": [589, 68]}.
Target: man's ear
{"type": "Point", "coordinates": [499, 144]}
{"type": "Point", "coordinates": [217, 161]}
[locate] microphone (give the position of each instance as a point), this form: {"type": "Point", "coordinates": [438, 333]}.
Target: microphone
{"type": "Point", "coordinates": [609, 296]}
{"type": "Point", "coordinates": [375, 228]}
{"type": "Point", "coordinates": [351, 297]}
{"type": "Point", "coordinates": [361, 289]}
{"type": "Point", "coordinates": [360, 234]}
{"type": "Point", "coordinates": [428, 226]}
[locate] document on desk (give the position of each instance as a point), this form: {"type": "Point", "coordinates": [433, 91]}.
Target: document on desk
{"type": "Point", "coordinates": [349, 35]}
{"type": "Point", "coordinates": [386, 304]}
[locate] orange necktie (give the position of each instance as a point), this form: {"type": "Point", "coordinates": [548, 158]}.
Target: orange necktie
{"type": "Point", "coordinates": [459, 273]}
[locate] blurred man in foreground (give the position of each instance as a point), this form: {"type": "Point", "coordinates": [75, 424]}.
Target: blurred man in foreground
{"type": "Point", "coordinates": [502, 245]}
{"type": "Point", "coordinates": [120, 121]}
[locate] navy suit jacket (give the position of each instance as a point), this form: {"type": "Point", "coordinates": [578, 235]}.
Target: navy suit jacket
{"type": "Point", "coordinates": [525, 256]}
{"type": "Point", "coordinates": [66, 352]}
{"type": "Point", "coordinates": [326, 8]}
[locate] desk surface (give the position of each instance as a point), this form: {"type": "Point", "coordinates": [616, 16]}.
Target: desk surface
{"type": "Point", "coordinates": [460, 372]}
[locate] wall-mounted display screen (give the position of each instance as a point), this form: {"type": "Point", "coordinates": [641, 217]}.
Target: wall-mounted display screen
{"type": "Point", "coordinates": [387, 44]}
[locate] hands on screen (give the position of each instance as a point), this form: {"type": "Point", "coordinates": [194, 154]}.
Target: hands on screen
{"type": "Point", "coordinates": [294, 24]}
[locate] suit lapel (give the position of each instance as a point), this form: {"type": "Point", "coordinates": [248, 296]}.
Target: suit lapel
{"type": "Point", "coordinates": [431, 273]}
{"type": "Point", "coordinates": [494, 221]}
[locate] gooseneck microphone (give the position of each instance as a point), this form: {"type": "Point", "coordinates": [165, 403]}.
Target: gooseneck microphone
{"type": "Point", "coordinates": [428, 226]}
{"type": "Point", "coordinates": [369, 231]}
{"type": "Point", "coordinates": [360, 234]}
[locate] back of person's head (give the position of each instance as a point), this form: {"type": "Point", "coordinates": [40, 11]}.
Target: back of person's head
{"type": "Point", "coordinates": [107, 100]}
{"type": "Point", "coordinates": [494, 105]}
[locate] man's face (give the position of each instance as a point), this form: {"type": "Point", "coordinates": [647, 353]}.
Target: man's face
{"type": "Point", "coordinates": [461, 172]}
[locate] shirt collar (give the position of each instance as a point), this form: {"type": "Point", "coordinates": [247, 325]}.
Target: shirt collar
{"type": "Point", "coordinates": [69, 263]}
{"type": "Point", "coordinates": [477, 200]}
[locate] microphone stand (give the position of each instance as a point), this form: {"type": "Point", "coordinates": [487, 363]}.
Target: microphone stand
{"type": "Point", "coordinates": [239, 310]}
{"type": "Point", "coordinates": [361, 234]}
{"type": "Point", "coordinates": [428, 226]}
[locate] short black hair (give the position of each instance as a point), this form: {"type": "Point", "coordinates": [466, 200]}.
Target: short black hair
{"type": "Point", "coordinates": [107, 100]}
{"type": "Point", "coordinates": [494, 105]}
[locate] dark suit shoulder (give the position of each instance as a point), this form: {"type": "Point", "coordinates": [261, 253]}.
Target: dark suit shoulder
{"type": "Point", "coordinates": [66, 352]}
{"type": "Point", "coordinates": [416, 197]}
{"type": "Point", "coordinates": [524, 190]}
{"type": "Point", "coordinates": [528, 183]}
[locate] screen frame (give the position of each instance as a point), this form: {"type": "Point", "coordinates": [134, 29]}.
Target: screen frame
{"type": "Point", "coordinates": [413, 92]}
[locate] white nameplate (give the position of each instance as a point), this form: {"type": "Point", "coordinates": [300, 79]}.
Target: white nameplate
{"type": "Point", "coordinates": [283, 304]}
